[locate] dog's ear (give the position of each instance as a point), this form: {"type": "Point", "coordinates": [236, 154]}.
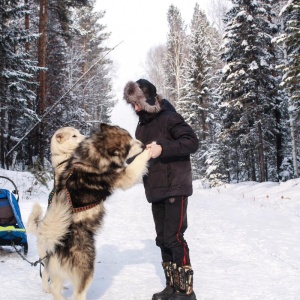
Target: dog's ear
{"type": "Point", "coordinates": [62, 136]}
{"type": "Point", "coordinates": [104, 126]}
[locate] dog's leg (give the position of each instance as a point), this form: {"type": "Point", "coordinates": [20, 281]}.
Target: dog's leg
{"type": "Point", "coordinates": [81, 286]}
{"type": "Point", "coordinates": [134, 171]}
{"type": "Point", "coordinates": [56, 288]}
{"type": "Point", "coordinates": [45, 281]}
{"type": "Point", "coordinates": [57, 276]}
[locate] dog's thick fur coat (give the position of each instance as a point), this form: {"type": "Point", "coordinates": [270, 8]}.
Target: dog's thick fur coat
{"type": "Point", "coordinates": [97, 167]}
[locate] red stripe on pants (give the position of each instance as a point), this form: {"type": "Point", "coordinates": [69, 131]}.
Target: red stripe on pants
{"type": "Point", "coordinates": [184, 260]}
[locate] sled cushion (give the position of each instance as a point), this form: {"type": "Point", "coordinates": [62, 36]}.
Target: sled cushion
{"type": "Point", "coordinates": [7, 216]}
{"type": "Point", "coordinates": [11, 228]}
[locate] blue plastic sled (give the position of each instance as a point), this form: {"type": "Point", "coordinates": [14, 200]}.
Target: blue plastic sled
{"type": "Point", "coordinates": [12, 229]}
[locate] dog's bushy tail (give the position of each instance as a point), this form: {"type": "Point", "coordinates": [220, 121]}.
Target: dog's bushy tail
{"type": "Point", "coordinates": [51, 229]}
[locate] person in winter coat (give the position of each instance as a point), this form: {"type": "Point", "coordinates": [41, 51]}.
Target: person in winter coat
{"type": "Point", "coordinates": [168, 182]}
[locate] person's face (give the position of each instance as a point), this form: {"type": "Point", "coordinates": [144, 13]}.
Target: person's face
{"type": "Point", "coordinates": [136, 107]}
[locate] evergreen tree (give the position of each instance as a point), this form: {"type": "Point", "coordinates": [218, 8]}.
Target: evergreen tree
{"type": "Point", "coordinates": [55, 21]}
{"type": "Point", "coordinates": [249, 91]}
{"type": "Point", "coordinates": [93, 95]}
{"type": "Point", "coordinates": [290, 41]}
{"type": "Point", "coordinates": [197, 103]}
{"type": "Point", "coordinates": [73, 43]}
{"type": "Point", "coordinates": [17, 78]}
{"type": "Point", "coordinates": [34, 76]}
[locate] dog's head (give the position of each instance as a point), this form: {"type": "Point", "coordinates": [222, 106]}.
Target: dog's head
{"type": "Point", "coordinates": [63, 143]}
{"type": "Point", "coordinates": [108, 146]}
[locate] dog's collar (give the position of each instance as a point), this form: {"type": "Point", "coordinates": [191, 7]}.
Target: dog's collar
{"type": "Point", "coordinates": [81, 208]}
{"type": "Point", "coordinates": [74, 209]}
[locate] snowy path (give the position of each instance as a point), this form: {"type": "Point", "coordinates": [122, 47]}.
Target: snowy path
{"type": "Point", "coordinates": [246, 252]}
{"type": "Point", "coordinates": [244, 243]}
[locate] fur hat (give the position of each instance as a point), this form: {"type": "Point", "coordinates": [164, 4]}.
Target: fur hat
{"type": "Point", "coordinates": [143, 93]}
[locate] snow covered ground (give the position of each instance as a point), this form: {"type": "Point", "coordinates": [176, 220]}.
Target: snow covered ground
{"type": "Point", "coordinates": [244, 243]}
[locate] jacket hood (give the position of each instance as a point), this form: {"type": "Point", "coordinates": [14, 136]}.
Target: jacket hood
{"type": "Point", "coordinates": [146, 117]}
{"type": "Point", "coordinates": [166, 105]}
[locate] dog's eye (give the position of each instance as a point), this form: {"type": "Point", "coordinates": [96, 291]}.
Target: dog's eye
{"type": "Point", "coordinates": [75, 135]}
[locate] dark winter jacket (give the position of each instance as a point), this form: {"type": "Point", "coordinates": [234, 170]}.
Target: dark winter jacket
{"type": "Point", "coordinates": [170, 173]}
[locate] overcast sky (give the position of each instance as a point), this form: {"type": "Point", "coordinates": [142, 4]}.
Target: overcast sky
{"type": "Point", "coordinates": [139, 25]}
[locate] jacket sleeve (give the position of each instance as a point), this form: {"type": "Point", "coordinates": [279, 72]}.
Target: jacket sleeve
{"type": "Point", "coordinates": [182, 139]}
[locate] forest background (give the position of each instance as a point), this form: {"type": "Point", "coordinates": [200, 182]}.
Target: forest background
{"type": "Point", "coordinates": [233, 76]}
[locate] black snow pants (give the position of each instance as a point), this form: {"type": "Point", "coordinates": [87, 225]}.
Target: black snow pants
{"type": "Point", "coordinates": [170, 218]}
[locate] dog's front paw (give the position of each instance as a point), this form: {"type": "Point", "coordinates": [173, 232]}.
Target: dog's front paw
{"type": "Point", "coordinates": [142, 160]}
{"type": "Point", "coordinates": [146, 154]}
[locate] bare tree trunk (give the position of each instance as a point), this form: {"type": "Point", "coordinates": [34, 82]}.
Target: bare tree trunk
{"type": "Point", "coordinates": [27, 44]}
{"type": "Point", "coordinates": [84, 69]}
{"type": "Point", "coordinates": [292, 119]}
{"type": "Point", "coordinates": [277, 115]}
{"type": "Point", "coordinates": [278, 136]}
{"type": "Point", "coordinates": [178, 62]}
{"type": "Point", "coordinates": [2, 95]}
{"type": "Point", "coordinates": [294, 144]}
{"type": "Point", "coordinates": [2, 120]}
{"type": "Point", "coordinates": [261, 153]}
{"type": "Point", "coordinates": [203, 117]}
{"type": "Point", "coordinates": [2, 140]}
{"type": "Point", "coordinates": [253, 174]}
{"type": "Point", "coordinates": [41, 95]}
{"type": "Point", "coordinates": [178, 73]}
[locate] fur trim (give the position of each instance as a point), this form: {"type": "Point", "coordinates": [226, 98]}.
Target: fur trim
{"type": "Point", "coordinates": [134, 95]}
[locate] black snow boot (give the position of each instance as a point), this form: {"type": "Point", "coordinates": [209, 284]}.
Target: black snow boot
{"type": "Point", "coordinates": [168, 291]}
{"type": "Point", "coordinates": [183, 283]}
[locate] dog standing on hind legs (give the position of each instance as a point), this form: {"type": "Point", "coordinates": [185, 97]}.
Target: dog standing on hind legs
{"type": "Point", "coordinates": [63, 144]}
{"type": "Point", "coordinates": [66, 234]}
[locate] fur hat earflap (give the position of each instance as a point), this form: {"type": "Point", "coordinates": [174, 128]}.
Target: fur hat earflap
{"type": "Point", "coordinates": [134, 95]}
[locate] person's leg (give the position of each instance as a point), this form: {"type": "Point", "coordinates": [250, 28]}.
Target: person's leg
{"type": "Point", "coordinates": [175, 224]}
{"type": "Point", "coordinates": [158, 211]}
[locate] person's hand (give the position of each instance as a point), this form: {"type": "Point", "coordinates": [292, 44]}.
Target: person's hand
{"type": "Point", "coordinates": [155, 150]}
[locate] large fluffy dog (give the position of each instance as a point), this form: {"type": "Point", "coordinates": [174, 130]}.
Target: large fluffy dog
{"type": "Point", "coordinates": [63, 143]}
{"type": "Point", "coordinates": [66, 233]}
